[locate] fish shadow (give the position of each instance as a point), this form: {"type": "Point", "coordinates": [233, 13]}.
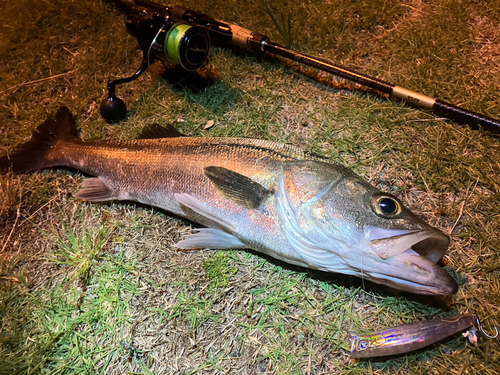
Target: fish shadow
{"type": "Point", "coordinates": [444, 303]}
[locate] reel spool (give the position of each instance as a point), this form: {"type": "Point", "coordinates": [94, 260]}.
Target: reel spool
{"type": "Point", "coordinates": [186, 46]}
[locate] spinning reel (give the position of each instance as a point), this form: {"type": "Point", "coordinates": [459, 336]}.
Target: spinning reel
{"type": "Point", "coordinates": [177, 35]}
{"type": "Point", "coordinates": [162, 34]}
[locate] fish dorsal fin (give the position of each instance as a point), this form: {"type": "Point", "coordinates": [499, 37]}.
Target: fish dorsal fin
{"type": "Point", "coordinates": [66, 121]}
{"type": "Point", "coordinates": [236, 187]}
{"type": "Point", "coordinates": [154, 131]}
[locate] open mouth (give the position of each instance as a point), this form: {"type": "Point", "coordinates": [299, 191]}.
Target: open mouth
{"type": "Point", "coordinates": [408, 260]}
{"type": "Point", "coordinates": [429, 243]}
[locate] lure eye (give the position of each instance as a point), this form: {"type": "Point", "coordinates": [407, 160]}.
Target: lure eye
{"type": "Point", "coordinates": [384, 205]}
{"type": "Point", "coordinates": [363, 345]}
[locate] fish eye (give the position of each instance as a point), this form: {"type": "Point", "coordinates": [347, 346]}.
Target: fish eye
{"type": "Point", "coordinates": [388, 206]}
{"type": "Point", "coordinates": [385, 205]}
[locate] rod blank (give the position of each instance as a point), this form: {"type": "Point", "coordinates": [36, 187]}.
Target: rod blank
{"type": "Point", "coordinates": [442, 108]}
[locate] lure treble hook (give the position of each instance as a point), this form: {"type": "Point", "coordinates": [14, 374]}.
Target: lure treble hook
{"type": "Point", "coordinates": [480, 326]}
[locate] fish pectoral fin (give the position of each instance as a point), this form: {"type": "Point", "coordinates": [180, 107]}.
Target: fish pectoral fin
{"type": "Point", "coordinates": [154, 131]}
{"type": "Point", "coordinates": [95, 190]}
{"type": "Point", "coordinates": [237, 188]}
{"type": "Point", "coordinates": [210, 238]}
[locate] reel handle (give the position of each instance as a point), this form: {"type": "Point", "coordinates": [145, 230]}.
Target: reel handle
{"type": "Point", "coordinates": [113, 109]}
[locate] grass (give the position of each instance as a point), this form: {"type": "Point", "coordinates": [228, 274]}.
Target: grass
{"type": "Point", "coordinates": [99, 288]}
{"type": "Point", "coordinates": [67, 326]}
{"type": "Point", "coordinates": [219, 269]}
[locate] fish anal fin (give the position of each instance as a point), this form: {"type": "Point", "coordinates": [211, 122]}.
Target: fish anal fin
{"type": "Point", "coordinates": [236, 187]}
{"type": "Point", "coordinates": [210, 238]}
{"type": "Point", "coordinates": [95, 190]}
{"type": "Point", "coordinates": [154, 131]}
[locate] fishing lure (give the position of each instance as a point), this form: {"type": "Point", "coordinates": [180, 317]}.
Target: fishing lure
{"type": "Point", "coordinates": [413, 336]}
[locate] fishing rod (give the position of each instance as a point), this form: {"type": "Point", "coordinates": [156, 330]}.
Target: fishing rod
{"type": "Point", "coordinates": [183, 37]}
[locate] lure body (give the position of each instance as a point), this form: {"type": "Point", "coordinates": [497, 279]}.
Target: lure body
{"type": "Point", "coordinates": [409, 337]}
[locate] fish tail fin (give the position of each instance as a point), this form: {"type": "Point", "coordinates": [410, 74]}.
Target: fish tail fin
{"type": "Point", "coordinates": [33, 154]}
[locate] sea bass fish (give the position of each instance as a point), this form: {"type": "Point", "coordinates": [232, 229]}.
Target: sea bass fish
{"type": "Point", "coordinates": [277, 199]}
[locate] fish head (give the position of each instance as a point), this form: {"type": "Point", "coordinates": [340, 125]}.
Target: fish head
{"type": "Point", "coordinates": [351, 227]}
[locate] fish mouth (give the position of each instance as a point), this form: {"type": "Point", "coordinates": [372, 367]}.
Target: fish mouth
{"type": "Point", "coordinates": [407, 260]}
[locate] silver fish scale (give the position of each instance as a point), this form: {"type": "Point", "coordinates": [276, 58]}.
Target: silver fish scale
{"type": "Point", "coordinates": [152, 170]}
